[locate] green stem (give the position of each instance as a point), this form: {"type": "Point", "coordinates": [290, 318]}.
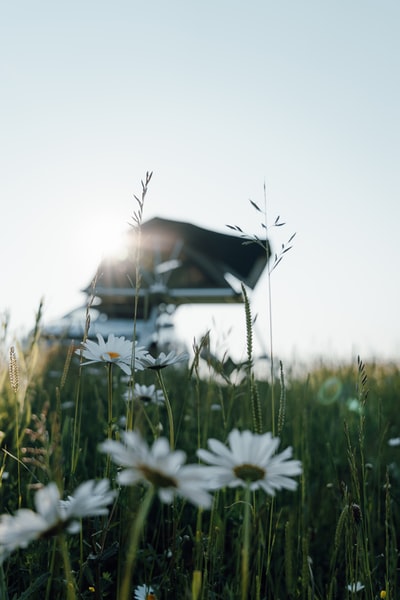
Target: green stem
{"type": "Point", "coordinates": [110, 400]}
{"type": "Point", "coordinates": [109, 414]}
{"type": "Point", "coordinates": [135, 534]}
{"type": "Point", "coordinates": [270, 541]}
{"type": "Point", "coordinates": [76, 431]}
{"type": "Point", "coordinates": [169, 411]}
{"type": "Point", "coordinates": [3, 589]}
{"type": "Point", "coordinates": [246, 544]}
{"type": "Point", "coordinates": [71, 595]}
{"type": "Point", "coordinates": [129, 405]}
{"type": "Point", "coordinates": [17, 444]}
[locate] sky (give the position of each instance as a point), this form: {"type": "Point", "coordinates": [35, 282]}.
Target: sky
{"type": "Point", "coordinates": [218, 99]}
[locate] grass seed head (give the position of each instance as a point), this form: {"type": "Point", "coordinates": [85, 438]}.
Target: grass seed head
{"type": "Point", "coordinates": [13, 370]}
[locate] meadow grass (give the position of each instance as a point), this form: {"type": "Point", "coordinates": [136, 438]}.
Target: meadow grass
{"type": "Point", "coordinates": [337, 529]}
{"type": "Point", "coordinates": [333, 537]}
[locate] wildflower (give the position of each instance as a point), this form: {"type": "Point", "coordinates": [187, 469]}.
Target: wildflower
{"type": "Point", "coordinates": [148, 394]}
{"type": "Point", "coordinates": [355, 587]}
{"type": "Point", "coordinates": [19, 530]}
{"type": "Point", "coordinates": [163, 360]}
{"type": "Point", "coordinates": [394, 441]}
{"type": "Point", "coordinates": [250, 462]}
{"type": "Point", "coordinates": [145, 592]}
{"type": "Point", "coordinates": [90, 499]}
{"type": "Point", "coordinates": [158, 466]}
{"type": "Point", "coordinates": [382, 594]}
{"type": "Point", "coordinates": [52, 514]}
{"type": "Point", "coordinates": [117, 350]}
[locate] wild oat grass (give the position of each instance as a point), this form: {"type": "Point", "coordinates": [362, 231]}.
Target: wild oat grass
{"type": "Point", "coordinates": [334, 537]}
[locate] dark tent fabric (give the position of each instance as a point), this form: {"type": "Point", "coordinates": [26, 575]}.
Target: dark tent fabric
{"type": "Point", "coordinates": [180, 263]}
{"type": "Point", "coordinates": [246, 262]}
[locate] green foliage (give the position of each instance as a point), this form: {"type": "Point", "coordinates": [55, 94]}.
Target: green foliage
{"type": "Point", "coordinates": [337, 529]}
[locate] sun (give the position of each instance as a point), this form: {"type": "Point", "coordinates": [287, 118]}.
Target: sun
{"type": "Point", "coordinates": [104, 238]}
{"type": "Point", "coordinates": [112, 243]}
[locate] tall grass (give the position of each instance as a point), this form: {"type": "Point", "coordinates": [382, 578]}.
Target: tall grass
{"type": "Point", "coordinates": [333, 538]}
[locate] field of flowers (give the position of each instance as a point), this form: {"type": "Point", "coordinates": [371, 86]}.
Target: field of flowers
{"type": "Point", "coordinates": [159, 483]}
{"type": "Point", "coordinates": [130, 476]}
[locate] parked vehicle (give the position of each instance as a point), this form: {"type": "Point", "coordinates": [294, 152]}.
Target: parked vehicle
{"type": "Point", "coordinates": [155, 333]}
{"type": "Point", "coordinates": [178, 263]}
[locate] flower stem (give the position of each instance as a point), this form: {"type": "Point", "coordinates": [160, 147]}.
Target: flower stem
{"type": "Point", "coordinates": [169, 411]}
{"type": "Point", "coordinates": [71, 595]}
{"type": "Point", "coordinates": [109, 414]}
{"type": "Point", "coordinates": [137, 528]}
{"type": "Point", "coordinates": [110, 400]}
{"type": "Point", "coordinates": [246, 544]}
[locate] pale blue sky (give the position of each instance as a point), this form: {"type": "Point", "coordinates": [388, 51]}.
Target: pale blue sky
{"type": "Point", "coordinates": [214, 97]}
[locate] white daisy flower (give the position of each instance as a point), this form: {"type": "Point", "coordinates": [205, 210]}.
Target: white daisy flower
{"type": "Point", "coordinates": [52, 514]}
{"type": "Point", "coordinates": [355, 587]}
{"type": "Point", "coordinates": [90, 499]}
{"type": "Point", "coordinates": [145, 592]}
{"type": "Point", "coordinates": [163, 360]}
{"type": "Point", "coordinates": [26, 525]}
{"type": "Point", "coordinates": [117, 350]}
{"type": "Point", "coordinates": [250, 461]}
{"type": "Point", "coordinates": [19, 531]}
{"type": "Point", "coordinates": [148, 394]}
{"type": "Point", "coordinates": [160, 467]}
{"type": "Point", "coordinates": [394, 441]}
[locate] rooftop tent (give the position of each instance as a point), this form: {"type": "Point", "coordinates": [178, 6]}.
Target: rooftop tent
{"type": "Point", "coordinates": [180, 263]}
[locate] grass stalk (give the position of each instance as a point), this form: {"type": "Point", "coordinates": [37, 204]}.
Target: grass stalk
{"type": "Point", "coordinates": [253, 390]}
{"type": "Point", "coordinates": [137, 224]}
{"type": "Point", "coordinates": [14, 382]}
{"type": "Point", "coordinates": [134, 540]}
{"type": "Point", "coordinates": [76, 429]}
{"type": "Point", "coordinates": [18, 450]}
{"type": "Point", "coordinates": [269, 313]}
{"type": "Point", "coordinates": [169, 410]}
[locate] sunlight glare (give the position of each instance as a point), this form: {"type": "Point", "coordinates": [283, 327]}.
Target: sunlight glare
{"type": "Point", "coordinates": [105, 240]}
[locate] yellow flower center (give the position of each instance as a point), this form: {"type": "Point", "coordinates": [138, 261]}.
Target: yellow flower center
{"type": "Point", "coordinates": [157, 478]}
{"type": "Point", "coordinates": [249, 472]}
{"type": "Point", "coordinates": [113, 355]}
